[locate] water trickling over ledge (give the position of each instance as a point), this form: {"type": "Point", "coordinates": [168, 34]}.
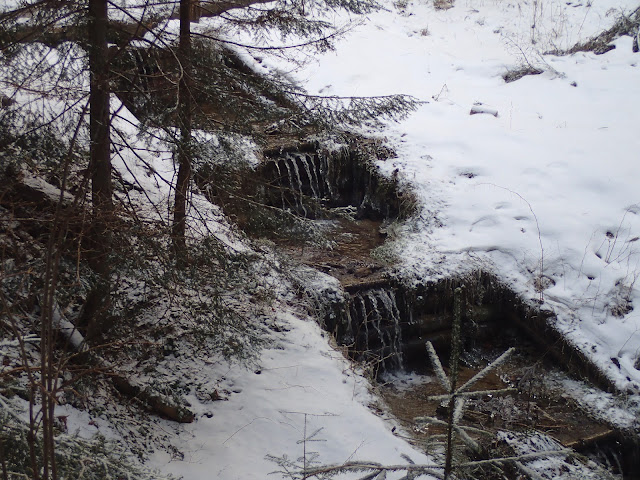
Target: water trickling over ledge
{"type": "Point", "coordinates": [311, 181]}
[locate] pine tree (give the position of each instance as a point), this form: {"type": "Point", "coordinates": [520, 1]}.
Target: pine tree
{"type": "Point", "coordinates": [184, 123]}
{"type": "Point", "coordinates": [214, 89]}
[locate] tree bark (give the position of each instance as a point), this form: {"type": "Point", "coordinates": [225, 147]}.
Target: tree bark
{"type": "Point", "coordinates": [100, 162]}
{"type": "Point", "coordinates": [184, 151]}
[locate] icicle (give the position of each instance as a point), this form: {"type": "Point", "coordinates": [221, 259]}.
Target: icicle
{"type": "Point", "coordinates": [312, 180]}
{"type": "Point", "coordinates": [277, 163]}
{"type": "Point", "coordinates": [294, 163]}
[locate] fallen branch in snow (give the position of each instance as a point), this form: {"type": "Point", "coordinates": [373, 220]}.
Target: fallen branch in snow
{"type": "Point", "coordinates": [158, 403]}
{"type": "Point", "coordinates": [374, 470]}
{"type": "Point", "coordinates": [68, 330]}
{"type": "Point", "coordinates": [95, 458]}
{"type": "Point", "coordinates": [480, 108]}
{"type": "Point", "coordinates": [626, 25]}
{"type": "Point", "coordinates": [155, 401]}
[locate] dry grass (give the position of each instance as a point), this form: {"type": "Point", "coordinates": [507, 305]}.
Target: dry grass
{"type": "Point", "coordinates": [443, 4]}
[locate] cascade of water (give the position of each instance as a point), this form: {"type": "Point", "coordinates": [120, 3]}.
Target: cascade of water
{"type": "Point", "coordinates": [277, 164]}
{"type": "Point", "coordinates": [294, 164]}
{"type": "Point", "coordinates": [348, 338]}
{"type": "Point", "coordinates": [325, 172]}
{"type": "Point", "coordinates": [376, 318]}
{"type": "Point", "coordinates": [375, 314]}
{"type": "Point", "coordinates": [312, 180]}
{"type": "Point", "coordinates": [397, 345]}
{"type": "Point", "coordinates": [363, 315]}
{"type": "Point", "coordinates": [314, 162]}
{"type": "Point", "coordinates": [293, 188]}
{"type": "Point", "coordinates": [388, 299]}
{"type": "Point", "coordinates": [611, 458]}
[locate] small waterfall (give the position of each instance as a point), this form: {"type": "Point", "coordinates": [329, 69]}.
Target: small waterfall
{"type": "Point", "coordinates": [374, 321]}
{"type": "Point", "coordinates": [306, 176]}
{"type": "Point", "coordinates": [377, 319]}
{"type": "Point", "coordinates": [279, 180]}
{"type": "Point", "coordinates": [294, 164]}
{"type": "Point", "coordinates": [324, 167]}
{"type": "Point", "coordinates": [611, 455]}
{"type": "Point", "coordinates": [389, 300]}
{"type": "Point", "coordinates": [313, 181]}
{"type": "Point", "coordinates": [296, 190]}
{"type": "Point", "coordinates": [364, 316]}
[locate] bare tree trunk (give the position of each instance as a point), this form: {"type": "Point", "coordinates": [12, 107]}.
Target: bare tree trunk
{"type": "Point", "coordinates": [100, 164]}
{"type": "Point", "coordinates": [184, 122]}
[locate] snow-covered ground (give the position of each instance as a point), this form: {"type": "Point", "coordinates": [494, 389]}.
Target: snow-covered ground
{"type": "Point", "coordinates": [544, 193]}
{"type": "Point", "coordinates": [302, 389]}
{"type": "Point", "coordinates": [301, 386]}
{"type": "Point", "coordinates": [543, 190]}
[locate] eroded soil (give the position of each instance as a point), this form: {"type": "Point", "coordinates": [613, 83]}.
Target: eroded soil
{"type": "Point", "coordinates": [535, 404]}
{"type": "Point", "coordinates": [350, 259]}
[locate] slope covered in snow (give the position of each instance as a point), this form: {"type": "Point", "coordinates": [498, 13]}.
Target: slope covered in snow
{"type": "Point", "coordinates": [302, 389]}
{"type": "Point", "coordinates": [544, 193]}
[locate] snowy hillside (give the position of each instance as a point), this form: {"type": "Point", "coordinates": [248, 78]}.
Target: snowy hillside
{"type": "Point", "coordinates": [545, 192]}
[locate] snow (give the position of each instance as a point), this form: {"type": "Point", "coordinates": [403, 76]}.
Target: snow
{"type": "Point", "coordinates": [554, 466]}
{"type": "Point", "coordinates": [539, 187]}
{"type": "Point", "coordinates": [541, 193]}
{"type": "Point", "coordinates": [301, 383]}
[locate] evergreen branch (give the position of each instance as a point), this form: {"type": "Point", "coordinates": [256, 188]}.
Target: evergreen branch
{"type": "Point", "coordinates": [528, 471]}
{"type": "Point", "coordinates": [523, 457]}
{"type": "Point", "coordinates": [437, 421]}
{"type": "Point", "coordinates": [424, 469]}
{"type": "Point", "coordinates": [312, 42]}
{"type": "Point", "coordinates": [459, 409]}
{"type": "Point", "coordinates": [470, 442]}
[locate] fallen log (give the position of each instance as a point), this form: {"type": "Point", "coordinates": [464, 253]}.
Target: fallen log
{"type": "Point", "coordinates": [155, 401]}
{"type": "Point", "coordinates": [585, 442]}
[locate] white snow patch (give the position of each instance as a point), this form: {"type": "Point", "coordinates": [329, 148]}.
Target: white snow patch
{"type": "Point", "coordinates": [303, 381]}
